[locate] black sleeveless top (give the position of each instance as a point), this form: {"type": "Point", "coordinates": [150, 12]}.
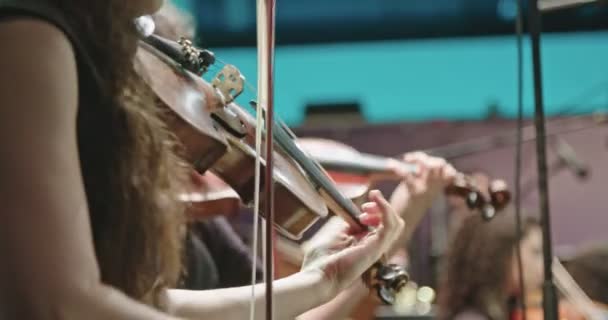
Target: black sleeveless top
{"type": "Point", "coordinates": [89, 81]}
{"type": "Point", "coordinates": [94, 119]}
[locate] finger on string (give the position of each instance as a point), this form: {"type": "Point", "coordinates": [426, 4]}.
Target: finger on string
{"type": "Point", "coordinates": [371, 208]}
{"type": "Point", "coordinates": [356, 232]}
{"type": "Point", "coordinates": [410, 183]}
{"type": "Point", "coordinates": [445, 173]}
{"type": "Point", "coordinates": [449, 173]}
{"type": "Point", "coordinates": [498, 184]}
{"type": "Point", "coordinates": [398, 169]}
{"type": "Point", "coordinates": [342, 243]}
{"type": "Point", "coordinates": [420, 160]}
{"type": "Point", "coordinates": [369, 219]}
{"type": "Point", "coordinates": [332, 245]}
{"type": "Point", "coordinates": [392, 224]}
{"type": "Point", "coordinates": [416, 155]}
{"type": "Point", "coordinates": [386, 209]}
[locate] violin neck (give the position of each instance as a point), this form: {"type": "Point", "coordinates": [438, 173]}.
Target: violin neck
{"type": "Point", "coordinates": [319, 178]}
{"type": "Point", "coordinates": [366, 164]}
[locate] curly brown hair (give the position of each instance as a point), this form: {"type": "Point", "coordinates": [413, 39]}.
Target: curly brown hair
{"type": "Point", "coordinates": [478, 266]}
{"type": "Point", "coordinates": [589, 268]}
{"type": "Point", "coordinates": [130, 170]}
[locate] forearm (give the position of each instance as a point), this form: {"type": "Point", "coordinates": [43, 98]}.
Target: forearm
{"type": "Point", "coordinates": [97, 303]}
{"type": "Point", "coordinates": [341, 306]}
{"type": "Point", "coordinates": [293, 296]}
{"type": "Point", "coordinates": [412, 209]}
{"type": "Point", "coordinates": [108, 303]}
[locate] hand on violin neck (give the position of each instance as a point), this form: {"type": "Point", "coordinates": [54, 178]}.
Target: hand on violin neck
{"type": "Point", "coordinates": [431, 177]}
{"type": "Point", "coordinates": [415, 194]}
{"type": "Point", "coordinates": [345, 257]}
{"type": "Point", "coordinates": [420, 188]}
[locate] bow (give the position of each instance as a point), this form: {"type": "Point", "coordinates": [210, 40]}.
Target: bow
{"type": "Point", "coordinates": [265, 107]}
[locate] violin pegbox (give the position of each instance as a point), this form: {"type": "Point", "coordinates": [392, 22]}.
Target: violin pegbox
{"type": "Point", "coordinates": [195, 60]}
{"type": "Point", "coordinates": [229, 82]}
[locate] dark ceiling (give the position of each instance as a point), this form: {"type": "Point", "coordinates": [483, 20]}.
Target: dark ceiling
{"type": "Point", "coordinates": [232, 22]}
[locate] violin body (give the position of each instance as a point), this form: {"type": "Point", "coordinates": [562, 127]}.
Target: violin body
{"type": "Point", "coordinates": [221, 138]}
{"type": "Point", "coordinates": [209, 196]}
{"type": "Point", "coordinates": [301, 205]}
{"type": "Point", "coordinates": [187, 103]}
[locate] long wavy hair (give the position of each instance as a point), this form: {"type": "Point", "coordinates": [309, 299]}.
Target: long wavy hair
{"type": "Point", "coordinates": [478, 266]}
{"type": "Point", "coordinates": [130, 168]}
{"type": "Point", "coordinates": [589, 268]}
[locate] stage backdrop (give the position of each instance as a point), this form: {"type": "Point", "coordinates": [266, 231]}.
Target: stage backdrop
{"type": "Point", "coordinates": [578, 206]}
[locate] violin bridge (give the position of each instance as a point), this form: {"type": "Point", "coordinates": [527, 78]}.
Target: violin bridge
{"type": "Point", "coordinates": [229, 82]}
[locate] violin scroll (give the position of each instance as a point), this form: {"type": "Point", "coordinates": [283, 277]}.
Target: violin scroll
{"type": "Point", "coordinates": [195, 60]}
{"type": "Point", "coordinates": [489, 202]}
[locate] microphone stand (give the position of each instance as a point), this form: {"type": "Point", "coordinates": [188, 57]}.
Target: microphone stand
{"type": "Point", "coordinates": [549, 289]}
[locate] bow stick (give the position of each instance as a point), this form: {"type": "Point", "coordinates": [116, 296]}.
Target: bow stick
{"type": "Point", "coordinates": [265, 45]}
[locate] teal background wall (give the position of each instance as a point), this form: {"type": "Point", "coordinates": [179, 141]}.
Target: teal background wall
{"type": "Point", "coordinates": [433, 79]}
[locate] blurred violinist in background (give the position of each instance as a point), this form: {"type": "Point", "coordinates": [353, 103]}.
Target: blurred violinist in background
{"type": "Point", "coordinates": [480, 278]}
{"type": "Point", "coordinates": [589, 268]}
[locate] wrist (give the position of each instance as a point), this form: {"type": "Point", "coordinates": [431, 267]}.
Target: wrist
{"type": "Point", "coordinates": [324, 287]}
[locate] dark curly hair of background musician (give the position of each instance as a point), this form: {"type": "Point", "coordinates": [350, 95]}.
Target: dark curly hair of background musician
{"type": "Point", "coordinates": [480, 280]}
{"type": "Point", "coordinates": [589, 268]}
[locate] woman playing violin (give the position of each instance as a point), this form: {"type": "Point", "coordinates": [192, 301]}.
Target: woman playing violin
{"type": "Point", "coordinates": [411, 198]}
{"type": "Point", "coordinates": [481, 279]}
{"type": "Point", "coordinates": [90, 228]}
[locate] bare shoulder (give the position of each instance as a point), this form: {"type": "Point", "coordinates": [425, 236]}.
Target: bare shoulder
{"type": "Point", "coordinates": [38, 66]}
{"type": "Point", "coordinates": [24, 32]}
{"type": "Point", "coordinates": [45, 225]}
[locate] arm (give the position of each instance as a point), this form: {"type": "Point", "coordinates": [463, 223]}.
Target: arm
{"type": "Point", "coordinates": [292, 296]}
{"type": "Point", "coordinates": [48, 261]}
{"type": "Point", "coordinates": [411, 199]}
{"type": "Point", "coordinates": [414, 196]}
{"type": "Point", "coordinates": [49, 270]}
{"type": "Point", "coordinates": [329, 268]}
{"type": "Point", "coordinates": [341, 306]}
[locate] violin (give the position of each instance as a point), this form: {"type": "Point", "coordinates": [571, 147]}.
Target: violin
{"type": "Point", "coordinates": [209, 196]}
{"type": "Point", "coordinates": [207, 121]}
{"type": "Point", "coordinates": [216, 135]}
{"type": "Point", "coordinates": [357, 171]}
{"type": "Point", "coordinates": [354, 173]}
